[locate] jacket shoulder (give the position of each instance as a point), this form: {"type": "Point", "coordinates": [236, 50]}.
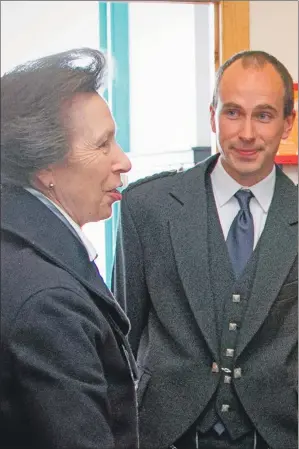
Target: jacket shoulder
{"type": "Point", "coordinates": [152, 178]}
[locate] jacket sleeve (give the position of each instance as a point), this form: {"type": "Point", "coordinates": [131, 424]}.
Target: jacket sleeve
{"type": "Point", "coordinates": [128, 278]}
{"type": "Point", "coordinates": [55, 343]}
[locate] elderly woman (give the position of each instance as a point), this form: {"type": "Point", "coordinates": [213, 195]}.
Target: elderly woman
{"type": "Point", "coordinates": [67, 373]}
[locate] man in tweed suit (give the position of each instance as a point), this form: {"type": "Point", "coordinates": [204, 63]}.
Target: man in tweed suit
{"type": "Point", "coordinates": [206, 269]}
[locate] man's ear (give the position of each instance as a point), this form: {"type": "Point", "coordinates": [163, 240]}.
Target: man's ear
{"type": "Point", "coordinates": [212, 118]}
{"type": "Point", "coordinates": [288, 124]}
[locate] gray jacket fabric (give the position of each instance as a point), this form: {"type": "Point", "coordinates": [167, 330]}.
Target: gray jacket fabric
{"type": "Point", "coordinates": [162, 280]}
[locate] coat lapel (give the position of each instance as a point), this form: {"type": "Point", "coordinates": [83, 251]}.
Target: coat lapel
{"type": "Point", "coordinates": [188, 229]}
{"type": "Point", "coordinates": [278, 248]}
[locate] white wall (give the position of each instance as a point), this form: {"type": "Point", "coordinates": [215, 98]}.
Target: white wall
{"type": "Point", "coordinates": [205, 70]}
{"type": "Point", "coordinates": [162, 62]}
{"type": "Point", "coordinates": [30, 29]}
{"type": "Point", "coordinates": [169, 84]}
{"type": "Point", "coordinates": [274, 28]}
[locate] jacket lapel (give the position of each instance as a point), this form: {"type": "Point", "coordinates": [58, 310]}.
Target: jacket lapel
{"type": "Point", "coordinates": [277, 252]}
{"type": "Point", "coordinates": [188, 229]}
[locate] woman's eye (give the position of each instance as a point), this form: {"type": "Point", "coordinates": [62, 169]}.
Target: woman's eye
{"type": "Point", "coordinates": [104, 145]}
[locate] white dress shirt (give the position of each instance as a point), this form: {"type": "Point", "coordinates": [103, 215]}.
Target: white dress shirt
{"type": "Point", "coordinates": [92, 254]}
{"type": "Point", "coordinates": [224, 188]}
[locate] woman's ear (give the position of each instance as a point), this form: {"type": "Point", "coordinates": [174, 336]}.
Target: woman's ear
{"type": "Point", "coordinates": [43, 179]}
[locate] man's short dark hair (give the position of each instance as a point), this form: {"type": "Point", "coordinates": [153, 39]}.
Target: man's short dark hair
{"type": "Point", "coordinates": [32, 95]}
{"type": "Point", "coordinates": [253, 58]}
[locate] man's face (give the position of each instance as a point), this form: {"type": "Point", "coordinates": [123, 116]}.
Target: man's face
{"type": "Point", "coordinates": [85, 183]}
{"type": "Point", "coordinates": [249, 121]}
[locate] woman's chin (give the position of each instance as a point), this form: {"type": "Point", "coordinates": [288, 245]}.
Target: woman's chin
{"type": "Point", "coordinates": [105, 213]}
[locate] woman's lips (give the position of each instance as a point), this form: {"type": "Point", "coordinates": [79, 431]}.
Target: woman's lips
{"type": "Point", "coordinates": [116, 195]}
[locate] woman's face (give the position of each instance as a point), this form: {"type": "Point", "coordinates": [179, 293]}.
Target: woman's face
{"type": "Point", "coordinates": [85, 184]}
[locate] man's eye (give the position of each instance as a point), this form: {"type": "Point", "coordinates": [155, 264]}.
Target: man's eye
{"type": "Point", "coordinates": [232, 113]}
{"type": "Point", "coordinates": [264, 116]}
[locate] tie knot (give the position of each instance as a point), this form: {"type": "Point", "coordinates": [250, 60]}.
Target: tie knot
{"type": "Point", "coordinates": [244, 197]}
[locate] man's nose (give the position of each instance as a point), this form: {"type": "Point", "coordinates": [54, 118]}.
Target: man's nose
{"type": "Point", "coordinates": [247, 131]}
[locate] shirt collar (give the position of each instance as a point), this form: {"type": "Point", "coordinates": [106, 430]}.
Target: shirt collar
{"type": "Point", "coordinates": [225, 187]}
{"type": "Point", "coordinates": [92, 254]}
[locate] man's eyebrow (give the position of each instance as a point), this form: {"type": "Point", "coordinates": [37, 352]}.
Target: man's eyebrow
{"type": "Point", "coordinates": [232, 105]}
{"type": "Point", "coordinates": [266, 106]}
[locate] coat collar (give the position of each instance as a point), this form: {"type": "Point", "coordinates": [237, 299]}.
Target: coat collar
{"type": "Point", "coordinates": [26, 217]}
{"type": "Point", "coordinates": [65, 217]}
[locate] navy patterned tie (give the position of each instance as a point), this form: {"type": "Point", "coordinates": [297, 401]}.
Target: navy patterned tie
{"type": "Point", "coordinates": [241, 233]}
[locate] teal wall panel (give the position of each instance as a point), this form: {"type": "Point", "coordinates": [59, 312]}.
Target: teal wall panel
{"type": "Point", "coordinates": [114, 39]}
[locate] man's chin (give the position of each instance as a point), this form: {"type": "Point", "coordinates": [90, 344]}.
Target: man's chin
{"type": "Point", "coordinates": [244, 173]}
{"type": "Point", "coordinates": [246, 165]}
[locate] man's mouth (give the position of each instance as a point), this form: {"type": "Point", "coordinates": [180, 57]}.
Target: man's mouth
{"type": "Point", "coordinates": [247, 152]}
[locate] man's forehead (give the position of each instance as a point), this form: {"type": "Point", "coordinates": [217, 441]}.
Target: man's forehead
{"type": "Point", "coordinates": [251, 86]}
{"type": "Point", "coordinates": [254, 77]}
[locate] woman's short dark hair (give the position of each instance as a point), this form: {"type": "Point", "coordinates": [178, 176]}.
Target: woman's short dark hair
{"type": "Point", "coordinates": [256, 58]}
{"type": "Point", "coordinates": [32, 95]}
